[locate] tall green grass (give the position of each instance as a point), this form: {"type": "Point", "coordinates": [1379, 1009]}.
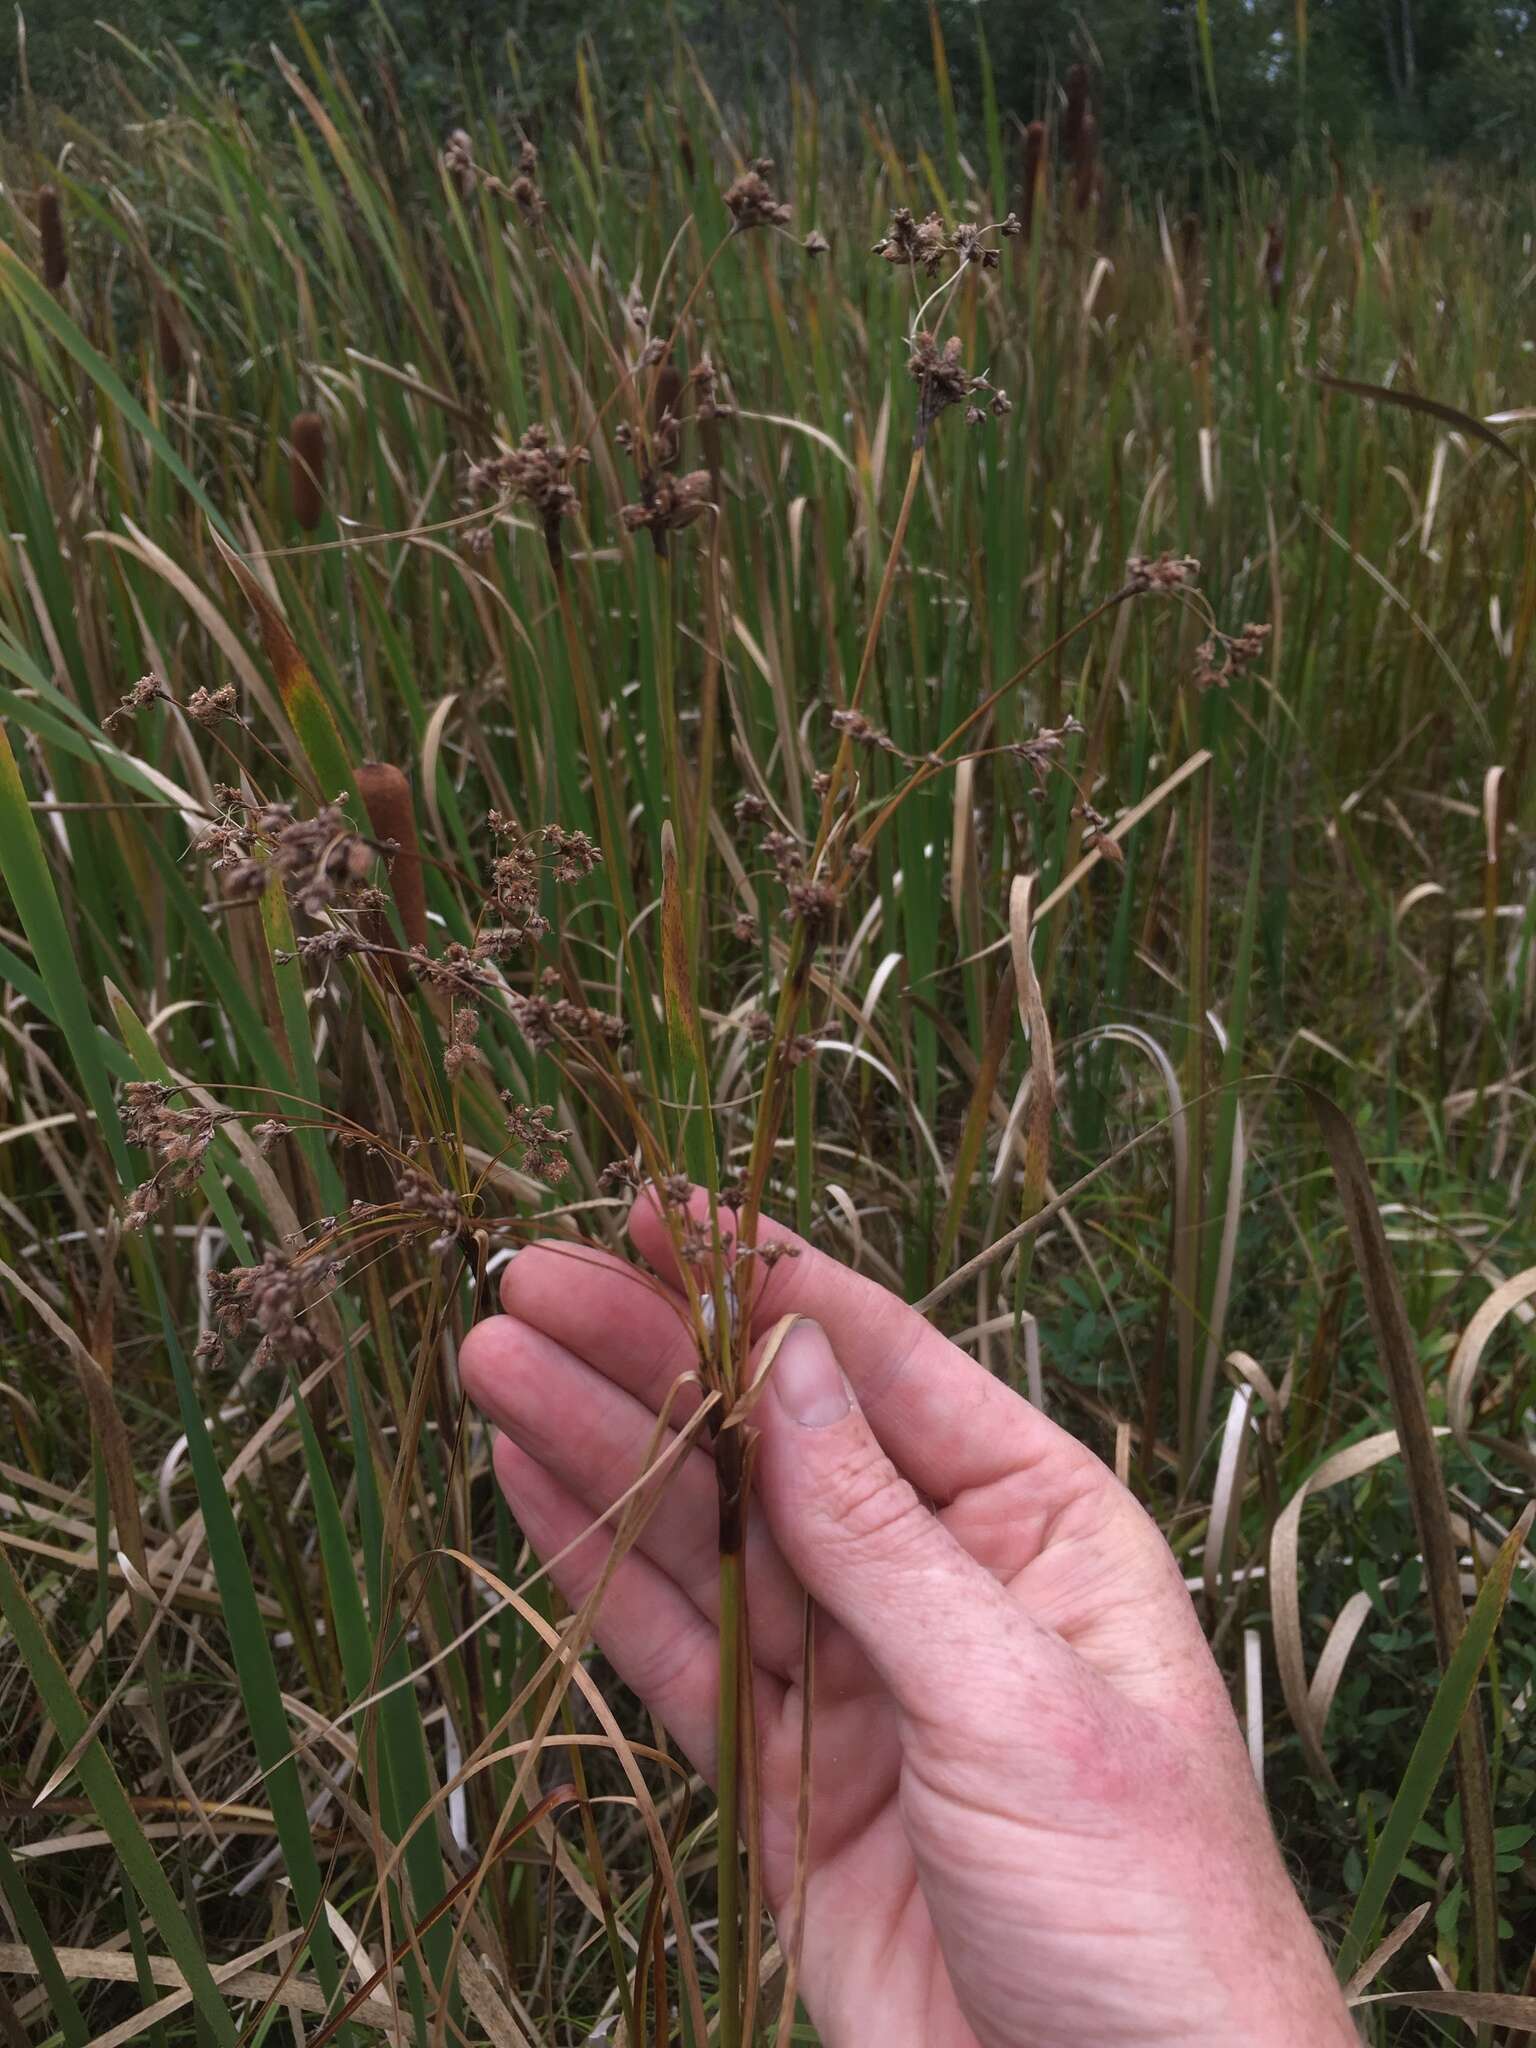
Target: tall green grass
{"type": "Point", "coordinates": [276, 1660]}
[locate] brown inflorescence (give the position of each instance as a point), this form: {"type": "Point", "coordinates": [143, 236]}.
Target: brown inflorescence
{"type": "Point", "coordinates": [178, 1138]}
{"type": "Point", "coordinates": [386, 796]}
{"type": "Point", "coordinates": [666, 504]}
{"type": "Point", "coordinates": [1085, 171]}
{"type": "Point", "coordinates": [1034, 170]}
{"type": "Point", "coordinates": [751, 201]}
{"type": "Point", "coordinates": [943, 380]}
{"type": "Point", "coordinates": [1075, 112]}
{"type": "Point", "coordinates": [306, 469]}
{"type": "Point", "coordinates": [50, 236]}
{"type": "Point", "coordinates": [1272, 263]}
{"type": "Point", "coordinates": [537, 471]}
{"type": "Point", "coordinates": [168, 339]}
{"type": "Point", "coordinates": [270, 1299]}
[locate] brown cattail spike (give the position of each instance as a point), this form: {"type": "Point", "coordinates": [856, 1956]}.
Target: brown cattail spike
{"type": "Point", "coordinates": [1076, 84]}
{"type": "Point", "coordinates": [665, 393]}
{"type": "Point", "coordinates": [50, 235]}
{"type": "Point", "coordinates": [1034, 171]}
{"type": "Point", "coordinates": [1273, 262]}
{"type": "Point", "coordinates": [1189, 246]}
{"type": "Point", "coordinates": [168, 339]}
{"type": "Point", "coordinates": [306, 468]}
{"type": "Point", "coordinates": [1085, 177]}
{"type": "Point", "coordinates": [386, 796]}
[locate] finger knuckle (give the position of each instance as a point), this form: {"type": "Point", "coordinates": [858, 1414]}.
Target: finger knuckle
{"type": "Point", "coordinates": [873, 1507]}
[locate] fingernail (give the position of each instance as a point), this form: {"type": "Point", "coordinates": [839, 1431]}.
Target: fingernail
{"type": "Point", "coordinates": [808, 1380]}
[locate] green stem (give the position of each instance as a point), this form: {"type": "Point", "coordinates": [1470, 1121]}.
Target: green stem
{"type": "Point", "coordinates": [728, 1460]}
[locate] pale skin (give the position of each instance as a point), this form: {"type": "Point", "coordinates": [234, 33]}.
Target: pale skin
{"type": "Point", "coordinates": [1034, 1821]}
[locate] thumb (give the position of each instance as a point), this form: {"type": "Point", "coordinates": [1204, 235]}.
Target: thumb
{"type": "Point", "coordinates": [863, 1543]}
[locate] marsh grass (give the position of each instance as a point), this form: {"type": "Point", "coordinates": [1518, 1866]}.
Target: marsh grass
{"type": "Point", "coordinates": [609, 714]}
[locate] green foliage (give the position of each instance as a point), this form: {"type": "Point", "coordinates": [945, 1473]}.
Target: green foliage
{"type": "Point", "coordinates": [1253, 861]}
{"type": "Point", "coordinates": [1173, 78]}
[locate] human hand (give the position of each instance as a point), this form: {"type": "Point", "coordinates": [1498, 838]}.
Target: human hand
{"type": "Point", "coordinates": [1033, 1819]}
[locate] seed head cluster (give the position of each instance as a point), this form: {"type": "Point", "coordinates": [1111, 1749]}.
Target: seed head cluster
{"type": "Point", "coordinates": [929, 244]}
{"type": "Point", "coordinates": [942, 381]}
{"type": "Point", "coordinates": [530, 1126]}
{"type": "Point", "coordinates": [537, 471]}
{"type": "Point", "coordinates": [751, 201]}
{"type": "Point", "coordinates": [1223, 657]}
{"type": "Point", "coordinates": [178, 1138]}
{"type": "Point", "coordinates": [1163, 573]}
{"type": "Point", "coordinates": [270, 1299]}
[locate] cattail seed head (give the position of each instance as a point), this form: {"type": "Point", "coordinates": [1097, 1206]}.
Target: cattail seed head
{"type": "Point", "coordinates": [50, 235]}
{"type": "Point", "coordinates": [386, 796]}
{"type": "Point", "coordinates": [1272, 263]}
{"type": "Point", "coordinates": [168, 339]}
{"type": "Point", "coordinates": [667, 391]}
{"type": "Point", "coordinates": [1086, 163]}
{"type": "Point", "coordinates": [1076, 112]}
{"type": "Point", "coordinates": [1189, 245]}
{"type": "Point", "coordinates": [306, 468]}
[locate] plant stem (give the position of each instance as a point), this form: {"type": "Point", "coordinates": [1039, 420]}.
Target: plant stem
{"type": "Point", "coordinates": [729, 1465]}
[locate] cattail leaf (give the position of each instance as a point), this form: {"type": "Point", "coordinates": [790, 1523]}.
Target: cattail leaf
{"type": "Point", "coordinates": [110, 1803]}
{"type": "Point", "coordinates": [64, 2007]}
{"type": "Point", "coordinates": [261, 1695]}
{"type": "Point", "coordinates": [977, 1116]}
{"type": "Point", "coordinates": [17, 280]}
{"type": "Point", "coordinates": [1433, 408]}
{"type": "Point", "coordinates": [30, 883]}
{"type": "Point", "coordinates": [51, 242]}
{"type": "Point", "coordinates": [1207, 54]}
{"type": "Point", "coordinates": [1427, 1497]}
{"type": "Point", "coordinates": [685, 1038]}
{"type": "Point", "coordinates": [1042, 1064]}
{"type": "Point", "coordinates": [1227, 1156]}
{"type": "Point", "coordinates": [944, 87]}
{"type": "Point", "coordinates": [1447, 1717]}
{"type": "Point", "coordinates": [306, 707]}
